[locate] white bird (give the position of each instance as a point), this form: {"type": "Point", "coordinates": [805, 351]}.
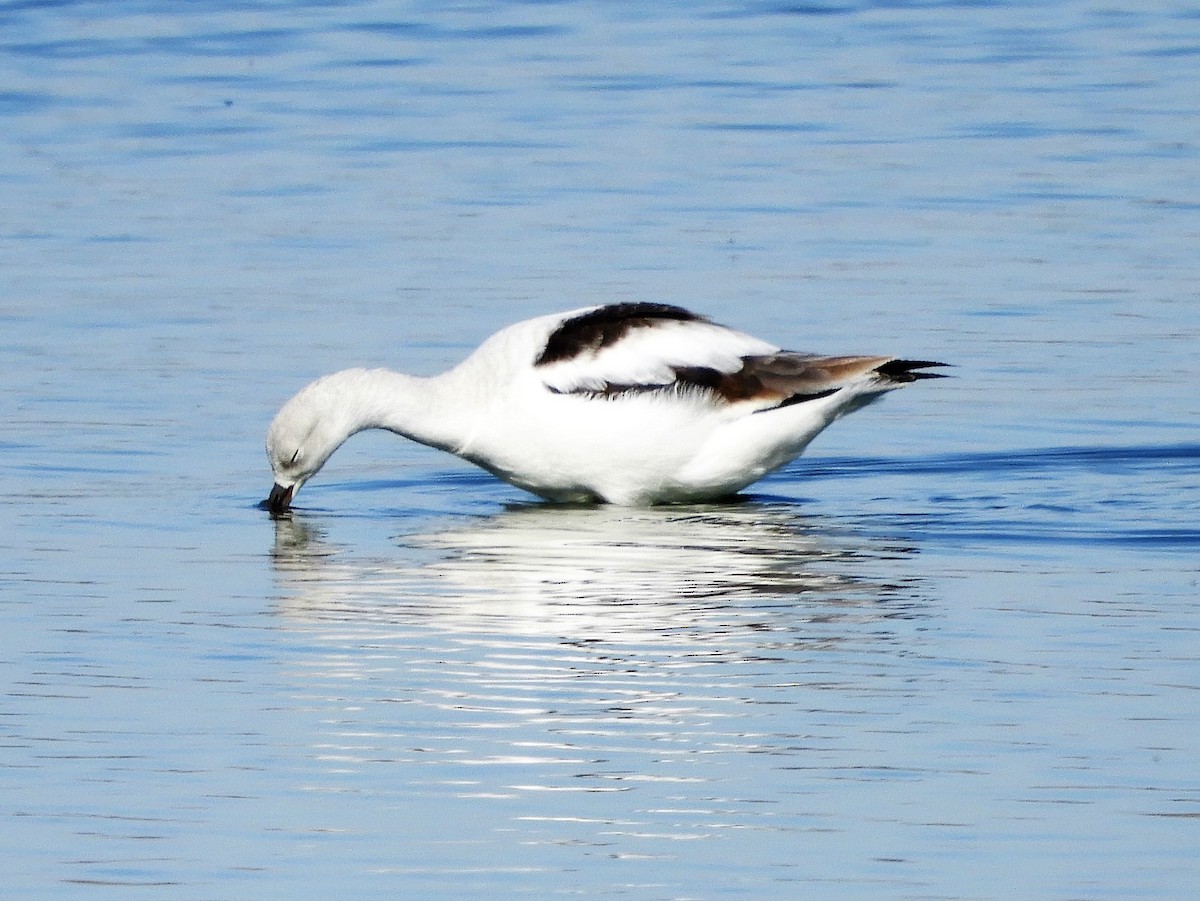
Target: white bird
{"type": "Point", "coordinates": [633, 403]}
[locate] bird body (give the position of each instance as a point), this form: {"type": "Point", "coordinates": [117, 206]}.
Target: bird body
{"type": "Point", "coordinates": [623, 404]}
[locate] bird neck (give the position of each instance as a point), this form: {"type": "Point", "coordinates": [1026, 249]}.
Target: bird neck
{"type": "Point", "coordinates": [411, 406]}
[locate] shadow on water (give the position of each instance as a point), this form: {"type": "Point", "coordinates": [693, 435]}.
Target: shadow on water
{"type": "Point", "coordinates": [1106, 459]}
{"type": "Point", "coordinates": [602, 574]}
{"type": "Point", "coordinates": [1135, 497]}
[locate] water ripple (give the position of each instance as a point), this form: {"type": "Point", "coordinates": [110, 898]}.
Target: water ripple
{"type": "Point", "coordinates": [1102, 458]}
{"type": "Point", "coordinates": [719, 573]}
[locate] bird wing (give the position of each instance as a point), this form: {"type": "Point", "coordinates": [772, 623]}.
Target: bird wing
{"type": "Point", "coordinates": [623, 348]}
{"type": "Point", "coordinates": [607, 350]}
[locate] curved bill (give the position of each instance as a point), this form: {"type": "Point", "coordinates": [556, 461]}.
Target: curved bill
{"type": "Point", "coordinates": [280, 499]}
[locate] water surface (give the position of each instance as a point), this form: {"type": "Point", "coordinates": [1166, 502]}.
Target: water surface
{"type": "Point", "coordinates": [949, 653]}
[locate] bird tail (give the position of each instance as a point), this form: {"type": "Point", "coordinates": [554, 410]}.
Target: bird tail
{"type": "Point", "coordinates": [902, 371]}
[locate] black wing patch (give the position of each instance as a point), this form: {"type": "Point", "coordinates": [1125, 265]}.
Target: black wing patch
{"type": "Point", "coordinates": [728, 386]}
{"type": "Point", "coordinates": [605, 326]}
{"type": "Point", "coordinates": [804, 398]}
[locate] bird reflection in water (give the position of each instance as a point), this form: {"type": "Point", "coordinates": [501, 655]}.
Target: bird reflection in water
{"type": "Point", "coordinates": [694, 573]}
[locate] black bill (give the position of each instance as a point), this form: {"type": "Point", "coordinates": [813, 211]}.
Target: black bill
{"type": "Point", "coordinates": [279, 500]}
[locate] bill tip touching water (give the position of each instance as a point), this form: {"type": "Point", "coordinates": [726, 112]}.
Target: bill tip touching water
{"type": "Point", "coordinates": [633, 403]}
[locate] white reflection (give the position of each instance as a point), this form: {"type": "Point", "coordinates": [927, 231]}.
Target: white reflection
{"type": "Point", "coordinates": [596, 573]}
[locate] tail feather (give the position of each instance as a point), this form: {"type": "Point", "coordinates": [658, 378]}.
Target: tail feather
{"type": "Point", "coordinates": [908, 370]}
{"type": "Point", "coordinates": [786, 379]}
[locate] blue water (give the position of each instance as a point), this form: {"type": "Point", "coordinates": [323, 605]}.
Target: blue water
{"type": "Point", "coordinates": [949, 653]}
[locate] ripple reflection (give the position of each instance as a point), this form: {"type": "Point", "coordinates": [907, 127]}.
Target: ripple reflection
{"type": "Point", "coordinates": [581, 681]}
{"type": "Point", "coordinates": [601, 573]}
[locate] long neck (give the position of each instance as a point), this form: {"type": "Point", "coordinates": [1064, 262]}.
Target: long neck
{"type": "Point", "coordinates": [422, 409]}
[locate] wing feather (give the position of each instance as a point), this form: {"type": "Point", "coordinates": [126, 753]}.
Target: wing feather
{"type": "Point", "coordinates": [634, 349]}
{"type": "Point", "coordinates": [637, 348]}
